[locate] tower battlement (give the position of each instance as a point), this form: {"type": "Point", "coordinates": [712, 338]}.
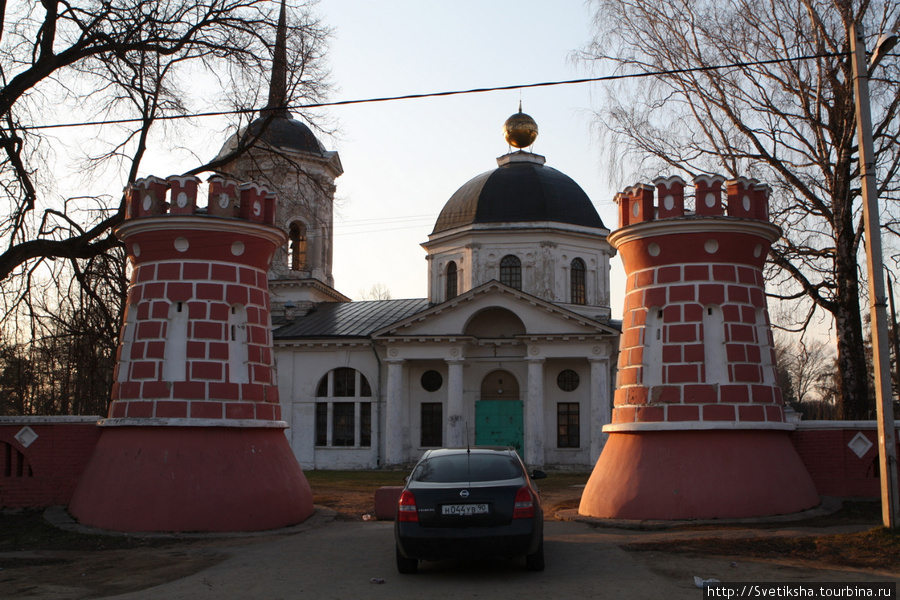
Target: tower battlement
{"type": "Point", "coordinates": [194, 439]}
{"type": "Point", "coordinates": [178, 195]}
{"type": "Point", "coordinates": [698, 427]}
{"type": "Point", "coordinates": [669, 198]}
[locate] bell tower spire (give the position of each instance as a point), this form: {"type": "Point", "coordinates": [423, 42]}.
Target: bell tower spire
{"type": "Point", "coordinates": [276, 105]}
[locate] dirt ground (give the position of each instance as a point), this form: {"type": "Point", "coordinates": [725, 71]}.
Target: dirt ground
{"type": "Point", "coordinates": [42, 562]}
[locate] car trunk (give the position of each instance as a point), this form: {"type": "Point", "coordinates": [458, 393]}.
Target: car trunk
{"type": "Point", "coordinates": [466, 505]}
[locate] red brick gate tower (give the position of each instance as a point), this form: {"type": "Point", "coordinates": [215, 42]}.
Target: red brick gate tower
{"type": "Point", "coordinates": [698, 429]}
{"type": "Point", "coordinates": [194, 440]}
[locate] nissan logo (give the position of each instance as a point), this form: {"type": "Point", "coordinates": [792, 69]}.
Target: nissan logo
{"type": "Point", "coordinates": [464, 493]}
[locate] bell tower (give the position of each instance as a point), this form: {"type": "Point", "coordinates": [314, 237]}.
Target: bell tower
{"type": "Point", "coordinates": [285, 155]}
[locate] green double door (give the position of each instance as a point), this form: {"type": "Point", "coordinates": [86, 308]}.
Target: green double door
{"type": "Point", "coordinates": [499, 423]}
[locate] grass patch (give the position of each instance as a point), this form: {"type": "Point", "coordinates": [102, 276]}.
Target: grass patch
{"type": "Point", "coordinates": [352, 493]}
{"type": "Point", "coordinates": [26, 530]}
{"type": "Point", "coordinates": [877, 548]}
{"type": "Point", "coordinates": [355, 481]}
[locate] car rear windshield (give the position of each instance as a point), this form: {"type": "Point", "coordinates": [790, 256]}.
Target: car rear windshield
{"type": "Point", "coordinates": [467, 468]}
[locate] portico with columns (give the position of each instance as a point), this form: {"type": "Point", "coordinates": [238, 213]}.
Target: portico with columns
{"type": "Point", "coordinates": [465, 356]}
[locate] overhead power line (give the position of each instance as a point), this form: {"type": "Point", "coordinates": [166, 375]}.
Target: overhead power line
{"type": "Point", "coordinates": [736, 65]}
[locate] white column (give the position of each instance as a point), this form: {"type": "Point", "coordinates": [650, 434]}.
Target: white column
{"type": "Point", "coordinates": [396, 426]}
{"type": "Point", "coordinates": [534, 414]}
{"type": "Point", "coordinates": [600, 404]}
{"type": "Point", "coordinates": [456, 418]}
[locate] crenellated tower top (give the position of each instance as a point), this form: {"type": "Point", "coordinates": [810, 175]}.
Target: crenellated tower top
{"type": "Point", "coordinates": [178, 195]}
{"type": "Point", "coordinates": [744, 199]}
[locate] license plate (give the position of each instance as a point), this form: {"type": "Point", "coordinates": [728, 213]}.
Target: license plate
{"type": "Point", "coordinates": [465, 509]}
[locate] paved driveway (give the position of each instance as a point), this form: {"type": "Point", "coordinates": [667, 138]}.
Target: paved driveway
{"type": "Point", "coordinates": [339, 559]}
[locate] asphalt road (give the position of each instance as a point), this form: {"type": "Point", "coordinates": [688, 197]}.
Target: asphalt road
{"type": "Point", "coordinates": [340, 560]}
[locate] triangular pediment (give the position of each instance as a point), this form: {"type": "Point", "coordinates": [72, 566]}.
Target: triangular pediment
{"type": "Point", "coordinates": [495, 310]}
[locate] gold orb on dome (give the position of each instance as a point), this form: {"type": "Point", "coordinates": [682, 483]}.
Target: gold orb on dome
{"type": "Point", "coordinates": [520, 130]}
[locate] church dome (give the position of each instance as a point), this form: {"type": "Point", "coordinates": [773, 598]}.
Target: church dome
{"type": "Point", "coordinates": [520, 190]}
{"type": "Point", "coordinates": [281, 132]}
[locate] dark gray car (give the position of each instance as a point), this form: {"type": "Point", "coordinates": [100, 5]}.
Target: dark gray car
{"type": "Point", "coordinates": [470, 503]}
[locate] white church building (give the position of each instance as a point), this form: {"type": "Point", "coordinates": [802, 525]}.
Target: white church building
{"type": "Point", "coordinates": [513, 344]}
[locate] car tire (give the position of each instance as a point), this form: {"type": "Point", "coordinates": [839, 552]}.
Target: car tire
{"type": "Point", "coordinates": [406, 566]}
{"type": "Point", "coordinates": [535, 561]}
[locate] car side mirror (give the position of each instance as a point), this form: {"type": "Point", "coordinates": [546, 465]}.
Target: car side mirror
{"type": "Point", "coordinates": [538, 474]}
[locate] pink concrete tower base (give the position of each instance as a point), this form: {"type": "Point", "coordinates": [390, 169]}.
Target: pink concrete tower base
{"type": "Point", "coordinates": [180, 479]}
{"type": "Point", "coordinates": [673, 475]}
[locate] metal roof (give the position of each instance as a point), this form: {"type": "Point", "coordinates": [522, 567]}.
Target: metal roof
{"type": "Point", "coordinates": [347, 319]}
{"type": "Point", "coordinates": [519, 192]}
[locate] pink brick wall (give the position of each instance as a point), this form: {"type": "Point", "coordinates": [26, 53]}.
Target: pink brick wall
{"type": "Point", "coordinates": [834, 467]}
{"type": "Point", "coordinates": [45, 472]}
{"type": "Point", "coordinates": [53, 462]}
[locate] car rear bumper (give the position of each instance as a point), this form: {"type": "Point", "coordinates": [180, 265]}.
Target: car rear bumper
{"type": "Point", "coordinates": [521, 537]}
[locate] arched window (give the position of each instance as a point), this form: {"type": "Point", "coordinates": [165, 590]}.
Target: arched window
{"type": "Point", "coordinates": [344, 409]}
{"type": "Point", "coordinates": [714, 355]}
{"type": "Point", "coordinates": [238, 351]}
{"type": "Point", "coordinates": [175, 348]}
{"type": "Point", "coordinates": [577, 281]}
{"type": "Point", "coordinates": [297, 241]}
{"type": "Point", "coordinates": [128, 334]}
{"type": "Point", "coordinates": [451, 280]}
{"type": "Point", "coordinates": [511, 271]}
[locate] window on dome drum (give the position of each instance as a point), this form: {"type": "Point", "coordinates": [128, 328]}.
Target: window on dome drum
{"type": "Point", "coordinates": [346, 422]}
{"type": "Point", "coordinates": [568, 380]}
{"type": "Point", "coordinates": [297, 241]}
{"type": "Point", "coordinates": [511, 271]}
{"type": "Point", "coordinates": [577, 276]}
{"type": "Point", "coordinates": [451, 280]}
{"type": "Point", "coordinates": [567, 425]}
{"type": "Point", "coordinates": [432, 425]}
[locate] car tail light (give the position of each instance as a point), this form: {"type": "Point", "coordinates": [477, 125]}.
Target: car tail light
{"type": "Point", "coordinates": [524, 508]}
{"type": "Point", "coordinates": [406, 508]}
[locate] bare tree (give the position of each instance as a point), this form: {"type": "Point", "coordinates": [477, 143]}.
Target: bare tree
{"type": "Point", "coordinates": [378, 291]}
{"type": "Point", "coordinates": [807, 365]}
{"type": "Point", "coordinates": [136, 63]}
{"type": "Point", "coordinates": [789, 123]}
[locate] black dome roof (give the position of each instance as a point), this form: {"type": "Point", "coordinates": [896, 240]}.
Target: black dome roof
{"type": "Point", "coordinates": [279, 131]}
{"type": "Point", "coordinates": [519, 191]}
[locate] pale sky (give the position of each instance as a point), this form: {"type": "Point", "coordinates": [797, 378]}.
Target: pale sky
{"type": "Point", "coordinates": [404, 159]}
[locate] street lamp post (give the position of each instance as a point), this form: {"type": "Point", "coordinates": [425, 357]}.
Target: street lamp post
{"type": "Point", "coordinates": [887, 445]}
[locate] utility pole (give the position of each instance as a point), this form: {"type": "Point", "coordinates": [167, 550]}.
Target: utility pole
{"type": "Point", "coordinates": [887, 444]}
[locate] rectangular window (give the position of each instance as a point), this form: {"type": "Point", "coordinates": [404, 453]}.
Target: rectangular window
{"type": "Point", "coordinates": [343, 422]}
{"type": "Point", "coordinates": [365, 424]}
{"type": "Point", "coordinates": [567, 425]}
{"type": "Point", "coordinates": [432, 424]}
{"type": "Point", "coordinates": [321, 424]}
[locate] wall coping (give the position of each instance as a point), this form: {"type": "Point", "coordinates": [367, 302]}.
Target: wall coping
{"type": "Point", "coordinates": [157, 422]}
{"type": "Point", "coordinates": [823, 424]}
{"type": "Point", "coordinates": [697, 426]}
{"type": "Point", "coordinates": [50, 420]}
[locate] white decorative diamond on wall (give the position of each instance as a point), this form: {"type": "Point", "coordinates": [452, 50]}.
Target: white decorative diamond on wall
{"type": "Point", "coordinates": [26, 436]}
{"type": "Point", "coordinates": [860, 444]}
